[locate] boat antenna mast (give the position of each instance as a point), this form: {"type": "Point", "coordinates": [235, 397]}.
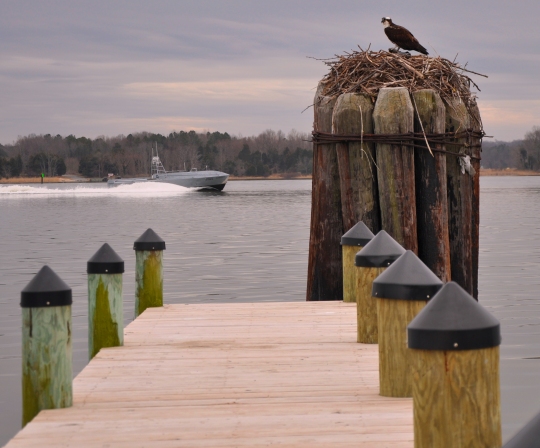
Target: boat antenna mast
{"type": "Point", "coordinates": [157, 168]}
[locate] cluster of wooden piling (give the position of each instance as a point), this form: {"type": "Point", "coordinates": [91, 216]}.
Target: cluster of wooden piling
{"type": "Point", "coordinates": [418, 192]}
{"type": "Point", "coordinates": [437, 344]}
{"type": "Point", "coordinates": [47, 327]}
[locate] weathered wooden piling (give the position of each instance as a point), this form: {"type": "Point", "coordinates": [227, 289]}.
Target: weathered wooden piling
{"type": "Point", "coordinates": [149, 249]}
{"type": "Point", "coordinates": [476, 151]}
{"type": "Point", "coordinates": [454, 344]}
{"type": "Point", "coordinates": [353, 241]}
{"type": "Point", "coordinates": [526, 437]}
{"type": "Point", "coordinates": [353, 115]}
{"type": "Point", "coordinates": [393, 114]}
{"type": "Point", "coordinates": [460, 191]}
{"type": "Point", "coordinates": [401, 291]}
{"type": "Point", "coordinates": [105, 306]}
{"type": "Point", "coordinates": [370, 262]}
{"type": "Point", "coordinates": [430, 186]}
{"type": "Point", "coordinates": [324, 265]}
{"type": "Point", "coordinates": [46, 347]}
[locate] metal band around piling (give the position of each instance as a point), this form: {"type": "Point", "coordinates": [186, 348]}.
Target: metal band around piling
{"type": "Point", "coordinates": [149, 249]}
{"type": "Point", "coordinates": [454, 346]}
{"type": "Point", "coordinates": [401, 292]}
{"type": "Point", "coordinates": [47, 344]}
{"type": "Point", "coordinates": [370, 262]}
{"type": "Point", "coordinates": [105, 306]}
{"type": "Point", "coordinates": [352, 241]}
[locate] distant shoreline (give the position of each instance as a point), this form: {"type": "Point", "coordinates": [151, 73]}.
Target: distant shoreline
{"type": "Point", "coordinates": [507, 172]}
{"type": "Point", "coordinates": [76, 179]}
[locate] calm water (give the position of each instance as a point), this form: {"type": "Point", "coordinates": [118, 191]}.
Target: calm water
{"type": "Point", "coordinates": [248, 243]}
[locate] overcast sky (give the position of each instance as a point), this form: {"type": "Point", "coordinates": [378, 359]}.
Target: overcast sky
{"type": "Point", "coordinates": [114, 67]}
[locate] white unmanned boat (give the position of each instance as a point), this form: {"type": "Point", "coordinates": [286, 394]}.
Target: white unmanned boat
{"type": "Point", "coordinates": [214, 180]}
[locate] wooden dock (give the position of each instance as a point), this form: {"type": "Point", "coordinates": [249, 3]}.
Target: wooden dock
{"type": "Point", "coordinates": [231, 375]}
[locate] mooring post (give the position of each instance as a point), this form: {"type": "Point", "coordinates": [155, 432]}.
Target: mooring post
{"type": "Point", "coordinates": [393, 114]}
{"type": "Point", "coordinates": [460, 192]}
{"type": "Point", "coordinates": [46, 346]}
{"type": "Point", "coordinates": [526, 437]}
{"type": "Point", "coordinates": [353, 241]}
{"type": "Point", "coordinates": [476, 150]}
{"type": "Point", "coordinates": [454, 346]}
{"type": "Point", "coordinates": [401, 292]}
{"type": "Point", "coordinates": [324, 263]}
{"type": "Point", "coordinates": [149, 249]}
{"type": "Point", "coordinates": [353, 115]}
{"type": "Point", "coordinates": [430, 178]}
{"type": "Point", "coordinates": [105, 306]}
{"type": "Point", "coordinates": [370, 262]}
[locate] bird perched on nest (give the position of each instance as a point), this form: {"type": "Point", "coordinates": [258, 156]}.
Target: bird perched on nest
{"type": "Point", "coordinates": [401, 37]}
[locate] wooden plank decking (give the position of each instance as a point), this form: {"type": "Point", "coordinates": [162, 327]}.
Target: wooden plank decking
{"type": "Point", "coordinates": [231, 375]}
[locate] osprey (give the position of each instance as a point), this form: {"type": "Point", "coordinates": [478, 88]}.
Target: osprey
{"type": "Point", "coordinates": [401, 37]}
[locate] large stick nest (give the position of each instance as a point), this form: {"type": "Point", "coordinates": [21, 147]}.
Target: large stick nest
{"type": "Point", "coordinates": [368, 71]}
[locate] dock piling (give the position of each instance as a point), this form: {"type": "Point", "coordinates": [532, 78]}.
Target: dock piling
{"type": "Point", "coordinates": [105, 306]}
{"type": "Point", "coordinates": [149, 249]}
{"type": "Point", "coordinates": [401, 292]}
{"type": "Point", "coordinates": [454, 344]}
{"type": "Point", "coordinates": [394, 114]}
{"type": "Point", "coordinates": [46, 347]}
{"type": "Point", "coordinates": [351, 242]}
{"type": "Point", "coordinates": [370, 262]}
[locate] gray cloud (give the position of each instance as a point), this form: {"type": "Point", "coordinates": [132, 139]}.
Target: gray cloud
{"type": "Point", "coordinates": [92, 68]}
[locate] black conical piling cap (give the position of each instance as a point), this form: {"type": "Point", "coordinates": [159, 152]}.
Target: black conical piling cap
{"type": "Point", "coordinates": [46, 289]}
{"type": "Point", "coordinates": [359, 235]}
{"type": "Point", "coordinates": [380, 252]}
{"type": "Point", "coordinates": [407, 279]}
{"type": "Point", "coordinates": [527, 437]}
{"type": "Point", "coordinates": [453, 320]}
{"type": "Point", "coordinates": [105, 261]}
{"type": "Point", "coordinates": [149, 240]}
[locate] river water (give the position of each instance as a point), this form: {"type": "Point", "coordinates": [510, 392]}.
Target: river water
{"type": "Point", "coordinates": [248, 243]}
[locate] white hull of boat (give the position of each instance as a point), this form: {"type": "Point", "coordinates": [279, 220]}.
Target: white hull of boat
{"type": "Point", "coordinates": [190, 179]}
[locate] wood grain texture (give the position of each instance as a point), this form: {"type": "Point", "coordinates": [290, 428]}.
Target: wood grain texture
{"type": "Point", "coordinates": [325, 272]}
{"type": "Point", "coordinates": [460, 192]}
{"type": "Point", "coordinates": [46, 360]}
{"type": "Point", "coordinates": [349, 272]}
{"type": "Point", "coordinates": [105, 312]}
{"type": "Point", "coordinates": [149, 280]}
{"type": "Point", "coordinates": [393, 114]}
{"type": "Point", "coordinates": [456, 398]}
{"type": "Point", "coordinates": [352, 115]}
{"type": "Point", "coordinates": [477, 153]}
{"type": "Point", "coordinates": [231, 375]}
{"type": "Point", "coordinates": [430, 185]}
{"type": "Point", "coordinates": [366, 305]}
{"type": "Point", "coordinates": [395, 374]}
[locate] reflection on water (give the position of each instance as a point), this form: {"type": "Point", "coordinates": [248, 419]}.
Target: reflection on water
{"type": "Point", "coordinates": [248, 243]}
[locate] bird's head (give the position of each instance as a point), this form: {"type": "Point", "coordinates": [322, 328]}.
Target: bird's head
{"type": "Point", "coordinates": [386, 21]}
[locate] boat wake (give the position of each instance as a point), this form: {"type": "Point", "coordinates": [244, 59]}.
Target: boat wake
{"type": "Point", "coordinates": [77, 190]}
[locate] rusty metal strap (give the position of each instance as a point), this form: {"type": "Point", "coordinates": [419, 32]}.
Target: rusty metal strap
{"type": "Point", "coordinates": [463, 139]}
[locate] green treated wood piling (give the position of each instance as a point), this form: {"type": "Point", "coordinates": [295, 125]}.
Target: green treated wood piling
{"type": "Point", "coordinates": [46, 345]}
{"type": "Point", "coordinates": [371, 262]}
{"type": "Point", "coordinates": [401, 293]}
{"type": "Point", "coordinates": [454, 348]}
{"type": "Point", "coordinates": [105, 306]}
{"type": "Point", "coordinates": [353, 241]}
{"type": "Point", "coordinates": [149, 271]}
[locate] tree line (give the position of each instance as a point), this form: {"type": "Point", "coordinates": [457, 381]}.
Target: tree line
{"type": "Point", "coordinates": [271, 152]}
{"type": "Point", "coordinates": [268, 153]}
